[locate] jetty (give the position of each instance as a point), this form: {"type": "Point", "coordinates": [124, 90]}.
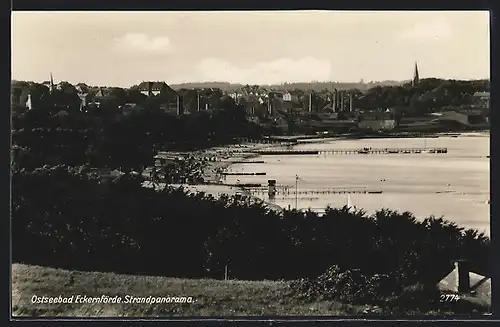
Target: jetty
{"type": "Point", "coordinates": [284, 192]}
{"type": "Point", "coordinates": [247, 162]}
{"type": "Point", "coordinates": [352, 151]}
{"type": "Point", "coordinates": [243, 174]}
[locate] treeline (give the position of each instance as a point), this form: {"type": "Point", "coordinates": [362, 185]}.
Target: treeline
{"type": "Point", "coordinates": [129, 142]}
{"type": "Point", "coordinates": [429, 95]}
{"type": "Point", "coordinates": [316, 86]}
{"type": "Point", "coordinates": [64, 217]}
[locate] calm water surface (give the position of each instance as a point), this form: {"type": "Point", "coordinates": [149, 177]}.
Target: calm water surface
{"type": "Point", "coordinates": [455, 185]}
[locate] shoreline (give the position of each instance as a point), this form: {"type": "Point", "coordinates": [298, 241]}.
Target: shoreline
{"type": "Point", "coordinates": [394, 135]}
{"type": "Point", "coordinates": [225, 156]}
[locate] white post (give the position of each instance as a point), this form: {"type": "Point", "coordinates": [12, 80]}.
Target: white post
{"type": "Point", "coordinates": [296, 191]}
{"type": "Point", "coordinates": [225, 273]}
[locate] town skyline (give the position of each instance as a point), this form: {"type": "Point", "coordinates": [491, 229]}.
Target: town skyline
{"type": "Point", "coordinates": [264, 48]}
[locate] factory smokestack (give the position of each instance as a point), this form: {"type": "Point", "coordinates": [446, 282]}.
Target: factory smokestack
{"type": "Point", "coordinates": [342, 101]}
{"type": "Point", "coordinates": [336, 96]}
{"type": "Point", "coordinates": [269, 109]}
{"type": "Point", "coordinates": [334, 101]}
{"type": "Point", "coordinates": [310, 102]}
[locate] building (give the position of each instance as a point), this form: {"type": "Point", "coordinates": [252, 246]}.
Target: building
{"type": "Point", "coordinates": [482, 99]}
{"type": "Point", "coordinates": [377, 120]}
{"type": "Point", "coordinates": [471, 286]}
{"type": "Point", "coordinates": [463, 118]}
{"type": "Point", "coordinates": [83, 93]}
{"type": "Point", "coordinates": [154, 88]}
{"type": "Point", "coordinates": [377, 124]}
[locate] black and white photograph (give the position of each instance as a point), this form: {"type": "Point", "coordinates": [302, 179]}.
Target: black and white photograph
{"type": "Point", "coordinates": [306, 163]}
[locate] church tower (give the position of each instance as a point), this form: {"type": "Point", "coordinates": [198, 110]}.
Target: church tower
{"type": "Point", "coordinates": [416, 78]}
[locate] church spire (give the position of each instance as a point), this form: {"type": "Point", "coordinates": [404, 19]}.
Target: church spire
{"type": "Point", "coordinates": [416, 78]}
{"type": "Point", "coordinates": [51, 85]}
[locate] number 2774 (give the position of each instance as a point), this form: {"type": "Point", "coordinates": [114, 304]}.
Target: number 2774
{"type": "Point", "coordinates": [449, 298]}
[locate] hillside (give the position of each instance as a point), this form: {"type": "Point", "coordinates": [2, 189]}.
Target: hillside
{"type": "Point", "coordinates": [211, 297]}
{"type": "Point", "coordinates": [207, 297]}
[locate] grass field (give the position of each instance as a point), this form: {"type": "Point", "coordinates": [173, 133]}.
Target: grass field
{"type": "Point", "coordinates": [211, 297]}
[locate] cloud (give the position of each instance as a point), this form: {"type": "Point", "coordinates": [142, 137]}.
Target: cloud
{"type": "Point", "coordinates": [142, 43]}
{"type": "Point", "coordinates": [270, 72]}
{"type": "Point", "coordinates": [437, 30]}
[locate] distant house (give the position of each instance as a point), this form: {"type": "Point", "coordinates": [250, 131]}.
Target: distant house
{"type": "Point", "coordinates": [483, 99]}
{"type": "Point", "coordinates": [47, 84]}
{"type": "Point", "coordinates": [377, 121]}
{"type": "Point", "coordinates": [83, 93]}
{"type": "Point", "coordinates": [155, 88]}
{"type": "Point", "coordinates": [464, 117]}
{"type": "Point", "coordinates": [20, 95]}
{"type": "Point", "coordinates": [99, 94]}
{"type": "Point", "coordinates": [280, 122]}
{"type": "Point", "coordinates": [471, 286]}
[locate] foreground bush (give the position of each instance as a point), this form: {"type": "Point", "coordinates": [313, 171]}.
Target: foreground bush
{"type": "Point", "coordinates": [349, 286]}
{"type": "Point", "coordinates": [67, 218]}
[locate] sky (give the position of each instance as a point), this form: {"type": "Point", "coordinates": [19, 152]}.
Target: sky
{"type": "Point", "coordinates": [126, 48]}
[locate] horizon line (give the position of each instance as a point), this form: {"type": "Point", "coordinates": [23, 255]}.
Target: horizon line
{"type": "Point", "coordinates": [265, 84]}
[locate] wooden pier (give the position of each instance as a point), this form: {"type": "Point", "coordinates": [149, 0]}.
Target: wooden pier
{"type": "Point", "coordinates": [353, 151]}
{"type": "Point", "coordinates": [285, 192]}
{"type": "Point", "coordinates": [247, 162]}
{"type": "Point", "coordinates": [243, 174]}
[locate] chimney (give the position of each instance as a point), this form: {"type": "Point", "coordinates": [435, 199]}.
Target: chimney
{"type": "Point", "coordinates": [350, 102]}
{"type": "Point", "coordinates": [463, 281]}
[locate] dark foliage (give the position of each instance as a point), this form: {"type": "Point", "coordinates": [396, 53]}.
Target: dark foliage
{"type": "Point", "coordinates": [65, 217]}
{"type": "Point", "coordinates": [129, 142]}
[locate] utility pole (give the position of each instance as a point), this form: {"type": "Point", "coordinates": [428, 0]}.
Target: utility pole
{"type": "Point", "coordinates": [296, 191]}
